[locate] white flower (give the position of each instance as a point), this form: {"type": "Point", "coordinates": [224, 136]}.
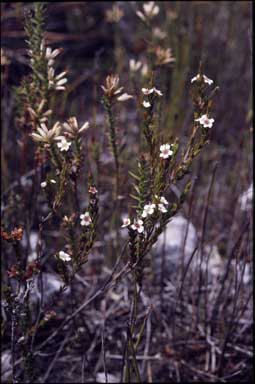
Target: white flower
{"type": "Point", "coordinates": [205, 79]}
{"type": "Point", "coordinates": [64, 144]}
{"type": "Point", "coordinates": [64, 256]}
{"type": "Point", "coordinates": [162, 208]}
{"type": "Point", "coordinates": [150, 10]}
{"type": "Point", "coordinates": [43, 184]}
{"type": "Point", "coordinates": [148, 209]}
{"type": "Point", "coordinates": [85, 219]}
{"type": "Point", "coordinates": [126, 222]}
{"type": "Point", "coordinates": [163, 200]}
{"type": "Point", "coordinates": [147, 91]}
{"type": "Point", "coordinates": [138, 226]}
{"type": "Point", "coordinates": [165, 151]}
{"type": "Point", "coordinates": [124, 97]}
{"type": "Point", "coordinates": [146, 104]}
{"type": "Point", "coordinates": [53, 181]}
{"type": "Point", "coordinates": [205, 121]}
{"type": "Point", "coordinates": [134, 65]}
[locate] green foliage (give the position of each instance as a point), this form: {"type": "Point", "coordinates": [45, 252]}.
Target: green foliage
{"type": "Point", "coordinates": [142, 184]}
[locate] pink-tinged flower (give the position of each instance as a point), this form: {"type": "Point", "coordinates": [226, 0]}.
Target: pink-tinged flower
{"type": "Point", "coordinates": [166, 151]}
{"type": "Point", "coordinates": [85, 219]}
{"type": "Point", "coordinates": [205, 79]}
{"type": "Point", "coordinates": [162, 208]}
{"type": "Point", "coordinates": [126, 222]}
{"type": "Point", "coordinates": [64, 256]}
{"type": "Point", "coordinates": [138, 226]}
{"type": "Point", "coordinates": [205, 121]}
{"type": "Point", "coordinates": [93, 190]}
{"type": "Point", "coordinates": [148, 209]}
{"type": "Point", "coordinates": [146, 104]}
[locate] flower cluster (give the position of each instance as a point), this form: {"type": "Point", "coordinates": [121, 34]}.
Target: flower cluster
{"type": "Point", "coordinates": [72, 129]}
{"type": "Point", "coordinates": [150, 92]}
{"type": "Point", "coordinates": [136, 226]}
{"type": "Point", "coordinates": [15, 235]}
{"type": "Point", "coordinates": [45, 135]}
{"type": "Point", "coordinates": [166, 151]}
{"type": "Point", "coordinates": [55, 82]}
{"type": "Point", "coordinates": [112, 89]}
{"type": "Point", "coordinates": [149, 11]}
{"type": "Point", "coordinates": [148, 209]}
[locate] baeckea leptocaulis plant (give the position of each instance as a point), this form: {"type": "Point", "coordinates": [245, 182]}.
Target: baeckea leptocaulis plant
{"type": "Point", "coordinates": [161, 164]}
